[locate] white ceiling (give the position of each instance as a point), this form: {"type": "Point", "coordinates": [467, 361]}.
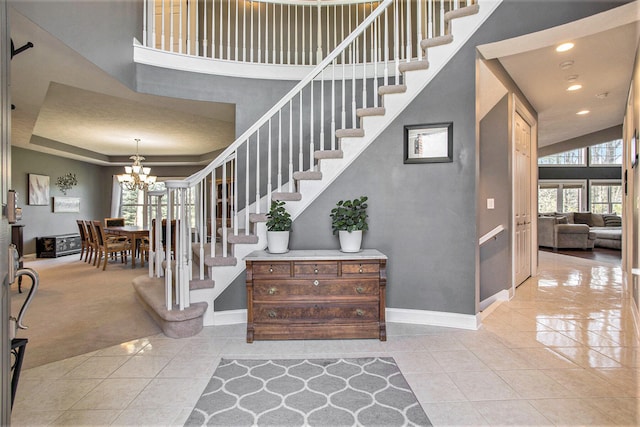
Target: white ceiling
{"type": "Point", "coordinates": [69, 107]}
{"type": "Point", "coordinates": [603, 58]}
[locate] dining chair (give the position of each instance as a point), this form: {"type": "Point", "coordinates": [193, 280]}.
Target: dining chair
{"type": "Point", "coordinates": [84, 240]}
{"type": "Point", "coordinates": [114, 222]}
{"type": "Point", "coordinates": [107, 247]}
{"type": "Point", "coordinates": [92, 245]}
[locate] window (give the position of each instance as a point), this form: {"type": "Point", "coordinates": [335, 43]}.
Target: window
{"type": "Point", "coordinates": [607, 154]}
{"type": "Point", "coordinates": [133, 205]}
{"type": "Point", "coordinates": [606, 197]}
{"type": "Point", "coordinates": [561, 196]}
{"type": "Point", "coordinates": [568, 158]}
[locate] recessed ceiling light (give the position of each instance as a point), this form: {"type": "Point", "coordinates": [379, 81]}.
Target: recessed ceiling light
{"type": "Point", "coordinates": [574, 87]}
{"type": "Point", "coordinates": [583, 112]}
{"type": "Point", "coordinates": [564, 47]}
{"type": "Point", "coordinates": [565, 65]}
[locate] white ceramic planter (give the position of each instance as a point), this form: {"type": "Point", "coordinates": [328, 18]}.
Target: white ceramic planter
{"type": "Point", "coordinates": [278, 242]}
{"type": "Point", "coordinates": [350, 241]}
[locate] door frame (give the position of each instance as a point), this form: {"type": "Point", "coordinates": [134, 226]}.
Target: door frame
{"type": "Point", "coordinates": [519, 107]}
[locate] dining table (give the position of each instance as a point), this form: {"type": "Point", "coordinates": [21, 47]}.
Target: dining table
{"type": "Point", "coordinates": [134, 233]}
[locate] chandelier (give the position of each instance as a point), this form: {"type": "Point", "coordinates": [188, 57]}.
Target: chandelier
{"type": "Point", "coordinates": [136, 176]}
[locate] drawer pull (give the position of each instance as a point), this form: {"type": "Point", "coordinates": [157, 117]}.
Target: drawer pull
{"type": "Point", "coordinates": [270, 269]}
{"type": "Point", "coordinates": [359, 289]}
{"type": "Point", "coordinates": [316, 283]}
{"type": "Point", "coordinates": [272, 291]}
{"type": "Point", "coordinates": [315, 270]}
{"type": "Point", "coordinates": [360, 312]}
{"type": "Point", "coordinates": [272, 314]}
{"type": "Point", "coordinates": [361, 270]}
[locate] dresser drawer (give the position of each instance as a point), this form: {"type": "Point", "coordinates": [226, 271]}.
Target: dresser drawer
{"type": "Point", "coordinates": [302, 269]}
{"type": "Point", "coordinates": [266, 290]}
{"type": "Point", "coordinates": [312, 313]}
{"type": "Point", "coordinates": [271, 269]}
{"type": "Point", "coordinates": [360, 269]}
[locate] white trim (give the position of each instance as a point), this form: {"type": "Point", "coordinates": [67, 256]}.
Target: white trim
{"type": "Point", "coordinates": [486, 305]}
{"type": "Point", "coordinates": [230, 317]}
{"type": "Point", "coordinates": [433, 318]}
{"type": "Point", "coordinates": [397, 315]}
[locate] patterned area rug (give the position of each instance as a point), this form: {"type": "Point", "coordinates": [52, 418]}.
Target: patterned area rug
{"type": "Point", "coordinates": [317, 392]}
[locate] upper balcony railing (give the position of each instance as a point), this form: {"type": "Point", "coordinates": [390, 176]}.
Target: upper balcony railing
{"type": "Point", "coordinates": [286, 32]}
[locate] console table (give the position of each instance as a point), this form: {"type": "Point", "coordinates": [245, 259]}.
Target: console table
{"type": "Point", "coordinates": [55, 246]}
{"type": "Point", "coordinates": [316, 294]}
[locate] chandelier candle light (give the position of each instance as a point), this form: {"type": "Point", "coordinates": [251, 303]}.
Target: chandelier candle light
{"type": "Point", "coordinates": [137, 177]}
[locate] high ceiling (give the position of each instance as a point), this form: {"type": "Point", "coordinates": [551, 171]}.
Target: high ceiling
{"type": "Point", "coordinates": [67, 106]}
{"type": "Point", "coordinates": [601, 61]}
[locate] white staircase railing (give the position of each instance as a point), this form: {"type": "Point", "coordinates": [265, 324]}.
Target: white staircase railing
{"type": "Point", "coordinates": [232, 194]}
{"type": "Point", "coordinates": [284, 32]}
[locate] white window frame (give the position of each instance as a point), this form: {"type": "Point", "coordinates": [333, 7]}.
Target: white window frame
{"type": "Point", "coordinates": [593, 182]}
{"type": "Point", "coordinates": [606, 165]}
{"type": "Point", "coordinates": [561, 183]}
{"type": "Point", "coordinates": [581, 165]}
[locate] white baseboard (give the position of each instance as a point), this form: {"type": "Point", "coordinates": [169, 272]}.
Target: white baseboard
{"type": "Point", "coordinates": [433, 318]}
{"type": "Point", "coordinates": [503, 295]}
{"type": "Point", "coordinates": [230, 317]}
{"type": "Point", "coordinates": [399, 315]}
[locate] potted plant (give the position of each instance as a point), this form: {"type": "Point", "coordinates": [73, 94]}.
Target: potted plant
{"type": "Point", "coordinates": [349, 220]}
{"type": "Point", "coordinates": [278, 228]}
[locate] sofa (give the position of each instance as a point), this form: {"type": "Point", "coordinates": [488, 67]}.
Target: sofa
{"type": "Point", "coordinates": [579, 230]}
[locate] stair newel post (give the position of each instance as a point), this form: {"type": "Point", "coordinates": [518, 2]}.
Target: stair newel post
{"type": "Point", "coordinates": [269, 168]}
{"type": "Point", "coordinates": [290, 148]}
{"type": "Point", "coordinates": [257, 201]}
{"type": "Point", "coordinates": [214, 231]}
{"type": "Point", "coordinates": [168, 277]}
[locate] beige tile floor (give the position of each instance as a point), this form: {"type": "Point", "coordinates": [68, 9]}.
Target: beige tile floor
{"type": "Point", "coordinates": [562, 352]}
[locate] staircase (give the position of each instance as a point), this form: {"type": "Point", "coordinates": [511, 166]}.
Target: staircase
{"type": "Point", "coordinates": [365, 87]}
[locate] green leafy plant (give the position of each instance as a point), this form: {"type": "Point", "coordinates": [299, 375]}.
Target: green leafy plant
{"type": "Point", "coordinates": [67, 181]}
{"type": "Point", "coordinates": [350, 215]}
{"type": "Point", "coordinates": [278, 217]}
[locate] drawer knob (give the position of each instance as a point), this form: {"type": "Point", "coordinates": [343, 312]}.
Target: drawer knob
{"type": "Point", "coordinates": [315, 270]}
{"type": "Point", "coordinates": [272, 291]}
{"type": "Point", "coordinates": [270, 269]}
{"type": "Point", "coordinates": [359, 289]}
{"type": "Point", "coordinates": [360, 312]}
{"type": "Point", "coordinates": [316, 283]}
{"type": "Point", "coordinates": [272, 314]}
{"type": "Point", "coordinates": [360, 270]}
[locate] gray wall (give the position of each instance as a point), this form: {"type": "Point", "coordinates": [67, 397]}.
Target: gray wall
{"type": "Point", "coordinates": [100, 30]}
{"type": "Point", "coordinates": [94, 190]}
{"type": "Point", "coordinates": [495, 255]}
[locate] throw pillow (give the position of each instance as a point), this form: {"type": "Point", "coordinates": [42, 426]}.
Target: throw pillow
{"type": "Point", "coordinates": [598, 220]}
{"type": "Point", "coordinates": [612, 221]}
{"type": "Point", "coordinates": [561, 220]}
{"type": "Point", "coordinates": [582, 218]}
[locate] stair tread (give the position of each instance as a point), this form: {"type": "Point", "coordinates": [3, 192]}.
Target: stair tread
{"type": "Point", "coordinates": [151, 290]}
{"type": "Point", "coordinates": [307, 175]}
{"type": "Point", "coordinates": [386, 90]}
{"type": "Point", "coordinates": [350, 133]}
{"type": "Point", "coordinates": [328, 154]}
{"type": "Point", "coordinates": [370, 111]}
{"type": "Point", "coordinates": [463, 11]}
{"type": "Point", "coordinates": [286, 196]}
{"type": "Point", "coordinates": [436, 41]}
{"type": "Point", "coordinates": [254, 217]}
{"type": "Point", "coordinates": [210, 261]}
{"type": "Point", "coordinates": [196, 284]}
{"type": "Point", "coordinates": [414, 65]}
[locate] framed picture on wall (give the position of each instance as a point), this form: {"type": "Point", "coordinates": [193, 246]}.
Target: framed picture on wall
{"type": "Point", "coordinates": [429, 143]}
{"type": "Point", "coordinates": [38, 190]}
{"type": "Point", "coordinates": [66, 204]}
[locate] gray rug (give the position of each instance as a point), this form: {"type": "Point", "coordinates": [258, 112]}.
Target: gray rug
{"type": "Point", "coordinates": [368, 391]}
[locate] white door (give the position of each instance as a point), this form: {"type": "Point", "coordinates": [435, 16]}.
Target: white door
{"type": "Point", "coordinates": [522, 199]}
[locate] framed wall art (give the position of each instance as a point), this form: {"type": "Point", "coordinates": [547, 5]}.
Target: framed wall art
{"type": "Point", "coordinates": [66, 204]}
{"type": "Point", "coordinates": [429, 143]}
{"type": "Point", "coordinates": [38, 190]}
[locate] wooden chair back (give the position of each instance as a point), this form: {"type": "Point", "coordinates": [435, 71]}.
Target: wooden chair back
{"type": "Point", "coordinates": [114, 222]}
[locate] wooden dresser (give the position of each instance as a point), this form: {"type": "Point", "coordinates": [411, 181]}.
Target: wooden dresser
{"type": "Point", "coordinates": [316, 294]}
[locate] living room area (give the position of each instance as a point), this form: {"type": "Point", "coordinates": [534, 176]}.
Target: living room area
{"type": "Point", "coordinates": [580, 197]}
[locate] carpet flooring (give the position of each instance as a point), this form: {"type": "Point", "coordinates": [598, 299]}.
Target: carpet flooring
{"type": "Point", "coordinates": [368, 391]}
{"type": "Point", "coordinates": [79, 308]}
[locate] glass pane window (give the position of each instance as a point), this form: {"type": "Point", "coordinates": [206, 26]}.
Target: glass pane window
{"type": "Point", "coordinates": [608, 153]}
{"type": "Point", "coordinates": [606, 197]}
{"type": "Point", "coordinates": [133, 204]}
{"type": "Point", "coordinates": [575, 157]}
{"type": "Point", "coordinates": [567, 196]}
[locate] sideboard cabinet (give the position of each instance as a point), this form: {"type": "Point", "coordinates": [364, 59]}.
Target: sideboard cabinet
{"type": "Point", "coordinates": [316, 294]}
{"type": "Point", "coordinates": [55, 246]}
